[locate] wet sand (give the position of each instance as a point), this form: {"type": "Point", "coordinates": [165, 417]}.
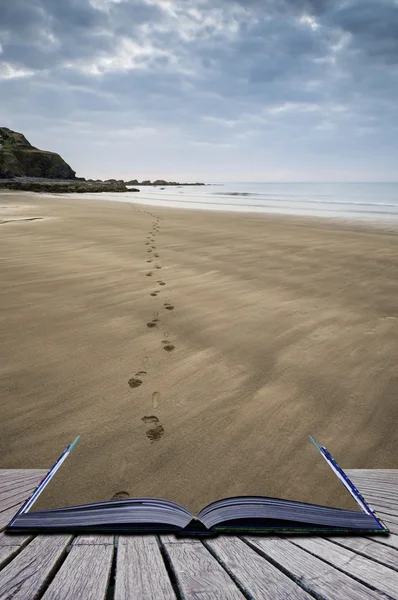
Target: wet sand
{"type": "Point", "coordinates": [267, 329]}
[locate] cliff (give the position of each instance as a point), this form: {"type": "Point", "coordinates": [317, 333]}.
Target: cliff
{"type": "Point", "coordinates": [18, 158]}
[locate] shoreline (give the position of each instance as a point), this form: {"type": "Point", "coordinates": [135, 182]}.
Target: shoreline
{"type": "Point", "coordinates": [281, 326]}
{"type": "Point", "coordinates": [361, 222]}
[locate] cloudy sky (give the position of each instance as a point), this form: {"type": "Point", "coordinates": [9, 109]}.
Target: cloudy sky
{"type": "Point", "coordinates": [211, 90]}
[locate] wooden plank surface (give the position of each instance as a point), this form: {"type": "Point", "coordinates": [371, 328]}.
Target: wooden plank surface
{"type": "Point", "coordinates": [11, 498]}
{"type": "Point", "coordinates": [255, 575]}
{"type": "Point", "coordinates": [314, 575]}
{"type": "Point", "coordinates": [386, 540]}
{"type": "Point", "coordinates": [89, 540]}
{"type": "Point", "coordinates": [10, 545]}
{"type": "Point", "coordinates": [387, 517]}
{"type": "Point", "coordinates": [7, 515]}
{"type": "Point", "coordinates": [14, 485]}
{"type": "Point", "coordinates": [14, 475]}
{"type": "Point", "coordinates": [84, 574]}
{"type": "Point", "coordinates": [198, 573]}
{"type": "Point", "coordinates": [373, 574]}
{"type": "Point", "coordinates": [379, 552]}
{"type": "Point", "coordinates": [166, 568]}
{"type": "Point", "coordinates": [141, 571]}
{"type": "Point", "coordinates": [382, 504]}
{"type": "Point", "coordinates": [16, 480]}
{"type": "Point", "coordinates": [27, 574]}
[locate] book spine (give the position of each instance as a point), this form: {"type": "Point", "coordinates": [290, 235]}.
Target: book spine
{"type": "Point", "coordinates": [43, 483]}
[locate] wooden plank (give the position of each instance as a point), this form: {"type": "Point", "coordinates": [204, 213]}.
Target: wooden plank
{"type": "Point", "coordinates": [12, 540]}
{"type": "Point", "coordinates": [7, 515]}
{"type": "Point", "coordinates": [393, 528]}
{"type": "Point", "coordinates": [376, 505]}
{"type": "Point", "coordinates": [141, 571]}
{"type": "Point", "coordinates": [378, 500]}
{"type": "Point", "coordinates": [13, 475]}
{"type": "Point", "coordinates": [378, 488]}
{"type": "Point", "coordinates": [375, 479]}
{"type": "Point", "coordinates": [7, 473]}
{"type": "Point", "coordinates": [255, 575]}
{"type": "Point", "coordinates": [27, 574]}
{"type": "Point", "coordinates": [16, 497]}
{"type": "Point", "coordinates": [380, 491]}
{"type": "Point", "coordinates": [198, 573]}
{"type": "Point", "coordinates": [386, 540]}
{"type": "Point", "coordinates": [84, 574]}
{"type": "Point", "coordinates": [11, 472]}
{"type": "Point", "coordinates": [376, 485]}
{"type": "Point", "coordinates": [390, 474]}
{"type": "Point", "coordinates": [393, 473]}
{"type": "Point", "coordinates": [381, 497]}
{"type": "Point", "coordinates": [362, 483]}
{"type": "Point", "coordinates": [383, 554]}
{"type": "Point", "coordinates": [387, 518]}
{"type": "Point", "coordinates": [11, 545]}
{"type": "Point", "coordinates": [7, 485]}
{"type": "Point", "coordinates": [314, 575]}
{"type": "Point", "coordinates": [10, 487]}
{"type": "Point", "coordinates": [372, 470]}
{"type": "Point", "coordinates": [96, 540]}
{"type": "Point", "coordinates": [373, 574]}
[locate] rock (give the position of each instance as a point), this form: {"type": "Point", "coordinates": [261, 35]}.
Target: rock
{"type": "Point", "coordinates": [63, 187]}
{"type": "Point", "coordinates": [158, 182]}
{"type": "Point", "coordinates": [18, 158]}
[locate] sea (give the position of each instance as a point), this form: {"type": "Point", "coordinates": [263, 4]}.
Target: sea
{"type": "Point", "coordinates": [364, 201]}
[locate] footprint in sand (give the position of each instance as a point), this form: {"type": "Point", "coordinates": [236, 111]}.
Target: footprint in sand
{"type": "Point", "coordinates": [155, 399]}
{"type": "Point", "coordinates": [149, 250]}
{"type": "Point", "coordinates": [169, 348]}
{"type": "Point", "coordinates": [158, 267]}
{"type": "Point", "coordinates": [150, 260]}
{"type": "Point", "coordinates": [120, 496]}
{"type": "Point", "coordinates": [156, 255]}
{"type": "Point", "coordinates": [169, 307]}
{"type": "Point", "coordinates": [151, 324]}
{"type": "Point", "coordinates": [134, 382]}
{"type": "Point", "coordinates": [147, 243]}
{"type": "Point", "coordinates": [140, 374]}
{"type": "Point", "coordinates": [161, 283]}
{"type": "Point", "coordinates": [154, 294]}
{"type": "Point", "coordinates": [155, 432]}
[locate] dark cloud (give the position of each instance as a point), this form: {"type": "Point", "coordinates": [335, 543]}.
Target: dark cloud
{"type": "Point", "coordinates": [306, 73]}
{"type": "Point", "coordinates": [44, 34]}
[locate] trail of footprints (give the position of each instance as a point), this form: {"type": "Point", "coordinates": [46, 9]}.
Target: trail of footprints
{"type": "Point", "coordinates": [154, 430]}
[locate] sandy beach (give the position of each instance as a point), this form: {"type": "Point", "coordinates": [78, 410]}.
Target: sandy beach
{"type": "Point", "coordinates": [194, 351]}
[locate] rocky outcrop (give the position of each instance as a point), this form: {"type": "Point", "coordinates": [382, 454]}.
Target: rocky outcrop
{"type": "Point", "coordinates": [18, 158]}
{"type": "Point", "coordinates": [159, 182]}
{"type": "Point", "coordinates": [64, 187]}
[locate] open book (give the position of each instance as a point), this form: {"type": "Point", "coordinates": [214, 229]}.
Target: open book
{"type": "Point", "coordinates": [241, 514]}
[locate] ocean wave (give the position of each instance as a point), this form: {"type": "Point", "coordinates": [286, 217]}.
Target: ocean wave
{"type": "Point", "coordinates": [236, 194]}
